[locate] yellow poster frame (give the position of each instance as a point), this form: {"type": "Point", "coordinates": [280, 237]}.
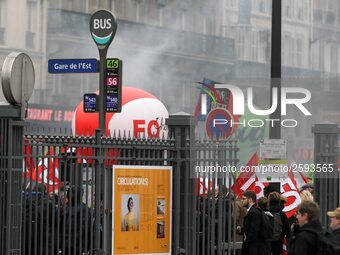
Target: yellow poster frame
{"type": "Point", "coordinates": [142, 169]}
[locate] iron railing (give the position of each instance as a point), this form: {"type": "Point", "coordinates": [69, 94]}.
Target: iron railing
{"type": "Point", "coordinates": [69, 212]}
{"type": "Point", "coordinates": [64, 193]}
{"type": "Point", "coordinates": [327, 153]}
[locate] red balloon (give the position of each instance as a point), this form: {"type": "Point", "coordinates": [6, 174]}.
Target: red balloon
{"type": "Point", "coordinates": [140, 111]}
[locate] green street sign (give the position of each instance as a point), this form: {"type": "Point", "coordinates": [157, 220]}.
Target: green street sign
{"type": "Point", "coordinates": [112, 63]}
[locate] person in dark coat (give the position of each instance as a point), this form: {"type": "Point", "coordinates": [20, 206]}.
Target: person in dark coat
{"type": "Point", "coordinates": [275, 208]}
{"type": "Point", "coordinates": [39, 226]}
{"type": "Point", "coordinates": [223, 201]}
{"type": "Point", "coordinates": [305, 241]}
{"type": "Point", "coordinates": [78, 219]}
{"type": "Point", "coordinates": [239, 213]}
{"type": "Point", "coordinates": [253, 242]}
{"type": "Point", "coordinates": [267, 190]}
{"type": "Point", "coordinates": [335, 223]}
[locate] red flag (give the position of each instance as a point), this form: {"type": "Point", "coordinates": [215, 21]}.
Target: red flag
{"type": "Point", "coordinates": [203, 185]}
{"type": "Point", "coordinates": [48, 172]}
{"type": "Point", "coordinates": [247, 180]}
{"type": "Point", "coordinates": [28, 164]}
{"type": "Point", "coordinates": [284, 246]}
{"type": "Point", "coordinates": [291, 192]}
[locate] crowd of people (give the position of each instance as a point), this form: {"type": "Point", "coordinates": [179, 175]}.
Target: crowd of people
{"type": "Point", "coordinates": [56, 223]}
{"type": "Point", "coordinates": [262, 227]}
{"type": "Point", "coordinates": [62, 224]}
{"type": "Point", "coordinates": [266, 228]}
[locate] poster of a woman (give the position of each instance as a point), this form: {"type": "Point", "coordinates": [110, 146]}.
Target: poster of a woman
{"type": "Point", "coordinates": [130, 213]}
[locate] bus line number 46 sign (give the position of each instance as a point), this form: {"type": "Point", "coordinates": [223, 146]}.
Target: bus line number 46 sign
{"type": "Point", "coordinates": [113, 84]}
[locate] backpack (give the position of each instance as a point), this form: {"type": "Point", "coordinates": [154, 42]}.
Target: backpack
{"type": "Point", "coordinates": [277, 227]}
{"type": "Point", "coordinates": [326, 244]}
{"type": "Point", "coordinates": [266, 226]}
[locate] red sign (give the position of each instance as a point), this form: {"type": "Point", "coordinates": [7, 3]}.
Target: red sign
{"type": "Point", "coordinates": [49, 113]}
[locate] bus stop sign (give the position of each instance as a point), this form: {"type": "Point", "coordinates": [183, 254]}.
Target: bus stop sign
{"type": "Point", "coordinates": [103, 27]}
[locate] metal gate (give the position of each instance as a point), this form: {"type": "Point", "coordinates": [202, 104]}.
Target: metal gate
{"type": "Point", "coordinates": [64, 194]}
{"type": "Point", "coordinates": [70, 212]}
{"type": "Point", "coordinates": [11, 137]}
{"type": "Point", "coordinates": [326, 152]}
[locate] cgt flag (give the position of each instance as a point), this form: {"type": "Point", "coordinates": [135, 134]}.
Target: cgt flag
{"type": "Point", "coordinates": [47, 171]}
{"type": "Point", "coordinates": [28, 162]}
{"type": "Point", "coordinates": [247, 180]}
{"type": "Point", "coordinates": [289, 189]}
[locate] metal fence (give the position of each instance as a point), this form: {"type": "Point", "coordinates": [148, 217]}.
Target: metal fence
{"type": "Point", "coordinates": [203, 204]}
{"type": "Point", "coordinates": [64, 202]}
{"type": "Point", "coordinates": [11, 137]}
{"type": "Point", "coordinates": [70, 213]}
{"type": "Point", "coordinates": [61, 203]}
{"type": "Point", "coordinates": [326, 152]}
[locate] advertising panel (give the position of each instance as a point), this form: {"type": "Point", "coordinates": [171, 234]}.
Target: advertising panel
{"type": "Point", "coordinates": [142, 198]}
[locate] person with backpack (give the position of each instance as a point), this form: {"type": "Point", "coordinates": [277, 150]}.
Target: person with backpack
{"type": "Point", "coordinates": [254, 239]}
{"type": "Point", "coordinates": [305, 240]}
{"type": "Point", "coordinates": [335, 224]}
{"type": "Point", "coordinates": [281, 226]}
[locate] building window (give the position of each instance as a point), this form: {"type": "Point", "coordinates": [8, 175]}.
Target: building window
{"type": "Point", "coordinates": [287, 52]}
{"type": "Point", "coordinates": [149, 13]}
{"type": "Point", "coordinates": [207, 7]}
{"type": "Point", "coordinates": [299, 10]}
{"type": "Point", "coordinates": [241, 44]}
{"type": "Point", "coordinates": [338, 60]}
{"type": "Point", "coordinates": [2, 21]}
{"type": "Point", "coordinates": [269, 9]}
{"type": "Point", "coordinates": [85, 6]}
{"type": "Point", "coordinates": [32, 15]}
{"type": "Point", "coordinates": [255, 5]}
{"type": "Point", "coordinates": [254, 45]}
{"type": "Point", "coordinates": [327, 58]}
{"type": "Point", "coordinates": [298, 52]}
{"type": "Point", "coordinates": [316, 55]}
{"type": "Point", "coordinates": [300, 14]}
{"type": "Point", "coordinates": [288, 9]}
{"type": "Point", "coordinates": [231, 4]}
{"type": "Point", "coordinates": [31, 23]}
{"type": "Point", "coordinates": [262, 7]}
{"type": "Point", "coordinates": [319, 4]}
{"type": "Point", "coordinates": [120, 9]}
{"type": "Point", "coordinates": [112, 5]}
{"type": "Point", "coordinates": [306, 10]}
{"type": "Point", "coordinates": [2, 13]}
{"type": "Point", "coordinates": [250, 47]}
{"type": "Point", "coordinates": [96, 4]}
{"type": "Point", "coordinates": [330, 5]}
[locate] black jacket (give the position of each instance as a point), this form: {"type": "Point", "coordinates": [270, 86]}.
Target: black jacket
{"type": "Point", "coordinates": [253, 242]}
{"type": "Point", "coordinates": [276, 247]}
{"type": "Point", "coordinates": [39, 224]}
{"type": "Point", "coordinates": [223, 218]}
{"type": "Point", "coordinates": [304, 242]}
{"type": "Point", "coordinates": [78, 224]}
{"type": "Point", "coordinates": [336, 234]}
